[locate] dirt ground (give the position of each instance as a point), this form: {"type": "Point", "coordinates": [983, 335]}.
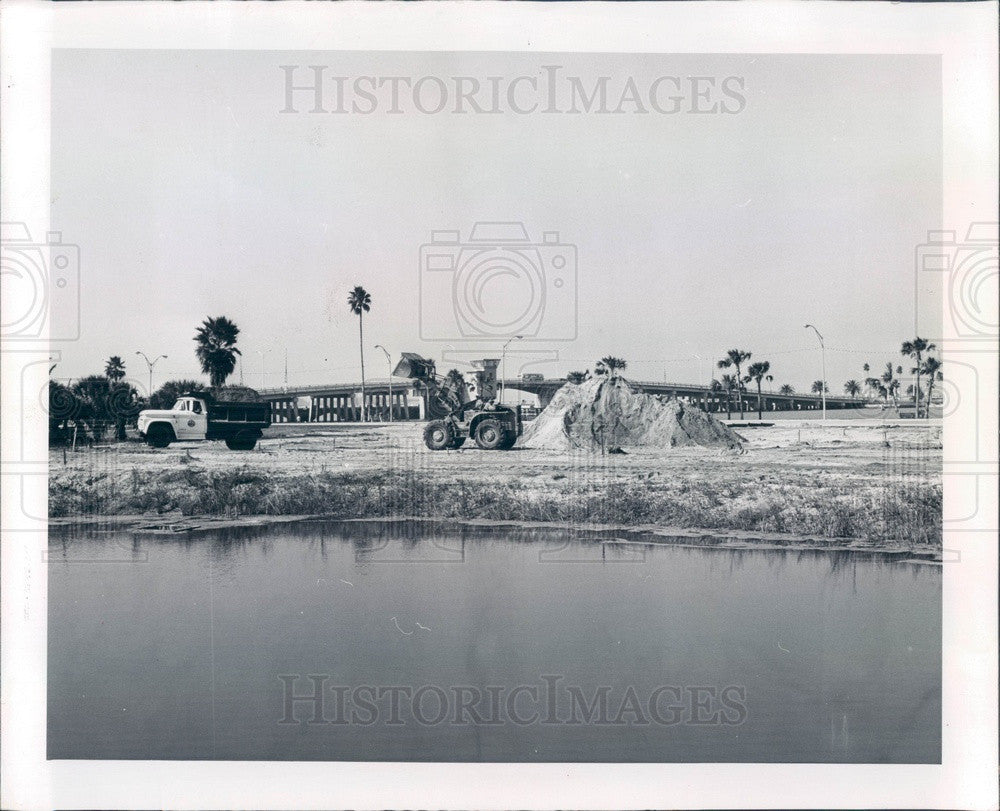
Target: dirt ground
{"type": "Point", "coordinates": [838, 448]}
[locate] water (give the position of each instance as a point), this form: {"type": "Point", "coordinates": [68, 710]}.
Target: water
{"type": "Point", "coordinates": [166, 647]}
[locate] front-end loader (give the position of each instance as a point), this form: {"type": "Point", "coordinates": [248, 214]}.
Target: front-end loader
{"type": "Point", "coordinates": [460, 406]}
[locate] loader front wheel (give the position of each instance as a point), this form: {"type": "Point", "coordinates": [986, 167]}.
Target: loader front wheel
{"type": "Point", "coordinates": [438, 435]}
{"type": "Point", "coordinates": [509, 440]}
{"type": "Point", "coordinates": [490, 435]}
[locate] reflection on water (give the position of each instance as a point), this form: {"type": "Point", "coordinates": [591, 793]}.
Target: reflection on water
{"type": "Point", "coordinates": [495, 643]}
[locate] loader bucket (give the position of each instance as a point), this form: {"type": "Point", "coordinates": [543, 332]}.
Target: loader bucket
{"type": "Point", "coordinates": [414, 366]}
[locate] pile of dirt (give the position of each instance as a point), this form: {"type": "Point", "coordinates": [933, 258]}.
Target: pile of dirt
{"type": "Point", "coordinates": [605, 413]}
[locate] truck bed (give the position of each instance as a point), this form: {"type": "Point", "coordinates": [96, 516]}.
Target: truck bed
{"type": "Point", "coordinates": [243, 415]}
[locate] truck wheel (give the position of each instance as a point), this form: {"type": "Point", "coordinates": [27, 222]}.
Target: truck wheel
{"type": "Point", "coordinates": [438, 435]}
{"type": "Point", "coordinates": [490, 435]}
{"type": "Point", "coordinates": [159, 436]}
{"type": "Point", "coordinates": [241, 444]}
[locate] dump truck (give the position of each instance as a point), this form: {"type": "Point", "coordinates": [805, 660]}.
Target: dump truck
{"type": "Point", "coordinates": [462, 406]}
{"type": "Point", "coordinates": [199, 416]}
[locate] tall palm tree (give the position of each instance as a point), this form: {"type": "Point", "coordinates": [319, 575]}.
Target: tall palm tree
{"type": "Point", "coordinates": [915, 349]}
{"type": "Point", "coordinates": [818, 387]}
{"type": "Point", "coordinates": [360, 303]}
{"type": "Point", "coordinates": [736, 357]}
{"type": "Point", "coordinates": [852, 387]}
{"type": "Point", "coordinates": [932, 369]}
{"type": "Point", "coordinates": [216, 348]}
{"type": "Point", "coordinates": [729, 383]}
{"type": "Point", "coordinates": [890, 382]}
{"type": "Point", "coordinates": [758, 371]}
{"type": "Point", "coordinates": [786, 390]}
{"type": "Point", "coordinates": [114, 369]}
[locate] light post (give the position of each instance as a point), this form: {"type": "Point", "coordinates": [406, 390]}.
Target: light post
{"type": "Point", "coordinates": [388, 360]}
{"type": "Point", "coordinates": [503, 364]}
{"type": "Point", "coordinates": [150, 364]}
{"type": "Point", "coordinates": [822, 347]}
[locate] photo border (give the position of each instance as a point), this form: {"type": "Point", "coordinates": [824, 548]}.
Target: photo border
{"type": "Point", "coordinates": [962, 33]}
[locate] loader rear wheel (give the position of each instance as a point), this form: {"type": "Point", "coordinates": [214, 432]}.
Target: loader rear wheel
{"type": "Point", "coordinates": [490, 435]}
{"type": "Point", "coordinates": [438, 435]}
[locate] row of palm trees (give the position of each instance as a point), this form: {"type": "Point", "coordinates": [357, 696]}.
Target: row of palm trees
{"type": "Point", "coordinates": [887, 384]}
{"type": "Point", "coordinates": [92, 404]}
{"type": "Point", "coordinates": [757, 372]}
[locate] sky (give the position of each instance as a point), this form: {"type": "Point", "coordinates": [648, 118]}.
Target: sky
{"type": "Point", "coordinates": [683, 234]}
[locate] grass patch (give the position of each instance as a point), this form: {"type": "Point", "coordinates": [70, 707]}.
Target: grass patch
{"type": "Point", "coordinates": [872, 508]}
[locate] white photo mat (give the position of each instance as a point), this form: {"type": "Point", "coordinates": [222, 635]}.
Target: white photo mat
{"type": "Point", "coordinates": [963, 35]}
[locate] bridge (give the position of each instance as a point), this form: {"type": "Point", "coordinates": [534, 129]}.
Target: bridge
{"type": "Point", "coordinates": [404, 399]}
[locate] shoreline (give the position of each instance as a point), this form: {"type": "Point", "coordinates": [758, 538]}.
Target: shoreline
{"type": "Point", "coordinates": [644, 534]}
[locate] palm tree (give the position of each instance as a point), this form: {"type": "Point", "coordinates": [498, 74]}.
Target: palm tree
{"type": "Point", "coordinates": [758, 371]}
{"type": "Point", "coordinates": [786, 390]}
{"type": "Point", "coordinates": [818, 387]}
{"type": "Point", "coordinates": [360, 303]}
{"type": "Point", "coordinates": [736, 357]}
{"type": "Point", "coordinates": [729, 383]}
{"type": "Point", "coordinates": [216, 350]}
{"type": "Point", "coordinates": [714, 387]}
{"type": "Point", "coordinates": [915, 349]}
{"type": "Point", "coordinates": [169, 392]}
{"type": "Point", "coordinates": [612, 364]}
{"type": "Point", "coordinates": [932, 369]}
{"type": "Point", "coordinates": [114, 369]}
{"type": "Point", "coordinates": [852, 387]}
{"type": "Point", "coordinates": [890, 382]}
{"type": "Point", "coordinates": [576, 377]}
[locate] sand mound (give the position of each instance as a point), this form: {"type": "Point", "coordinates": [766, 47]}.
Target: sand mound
{"type": "Point", "coordinates": [608, 413]}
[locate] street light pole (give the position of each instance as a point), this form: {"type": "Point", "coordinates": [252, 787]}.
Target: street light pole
{"type": "Point", "coordinates": [388, 359]}
{"type": "Point", "coordinates": [150, 364]}
{"type": "Point", "coordinates": [822, 347]}
{"type": "Point", "coordinates": [503, 364]}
